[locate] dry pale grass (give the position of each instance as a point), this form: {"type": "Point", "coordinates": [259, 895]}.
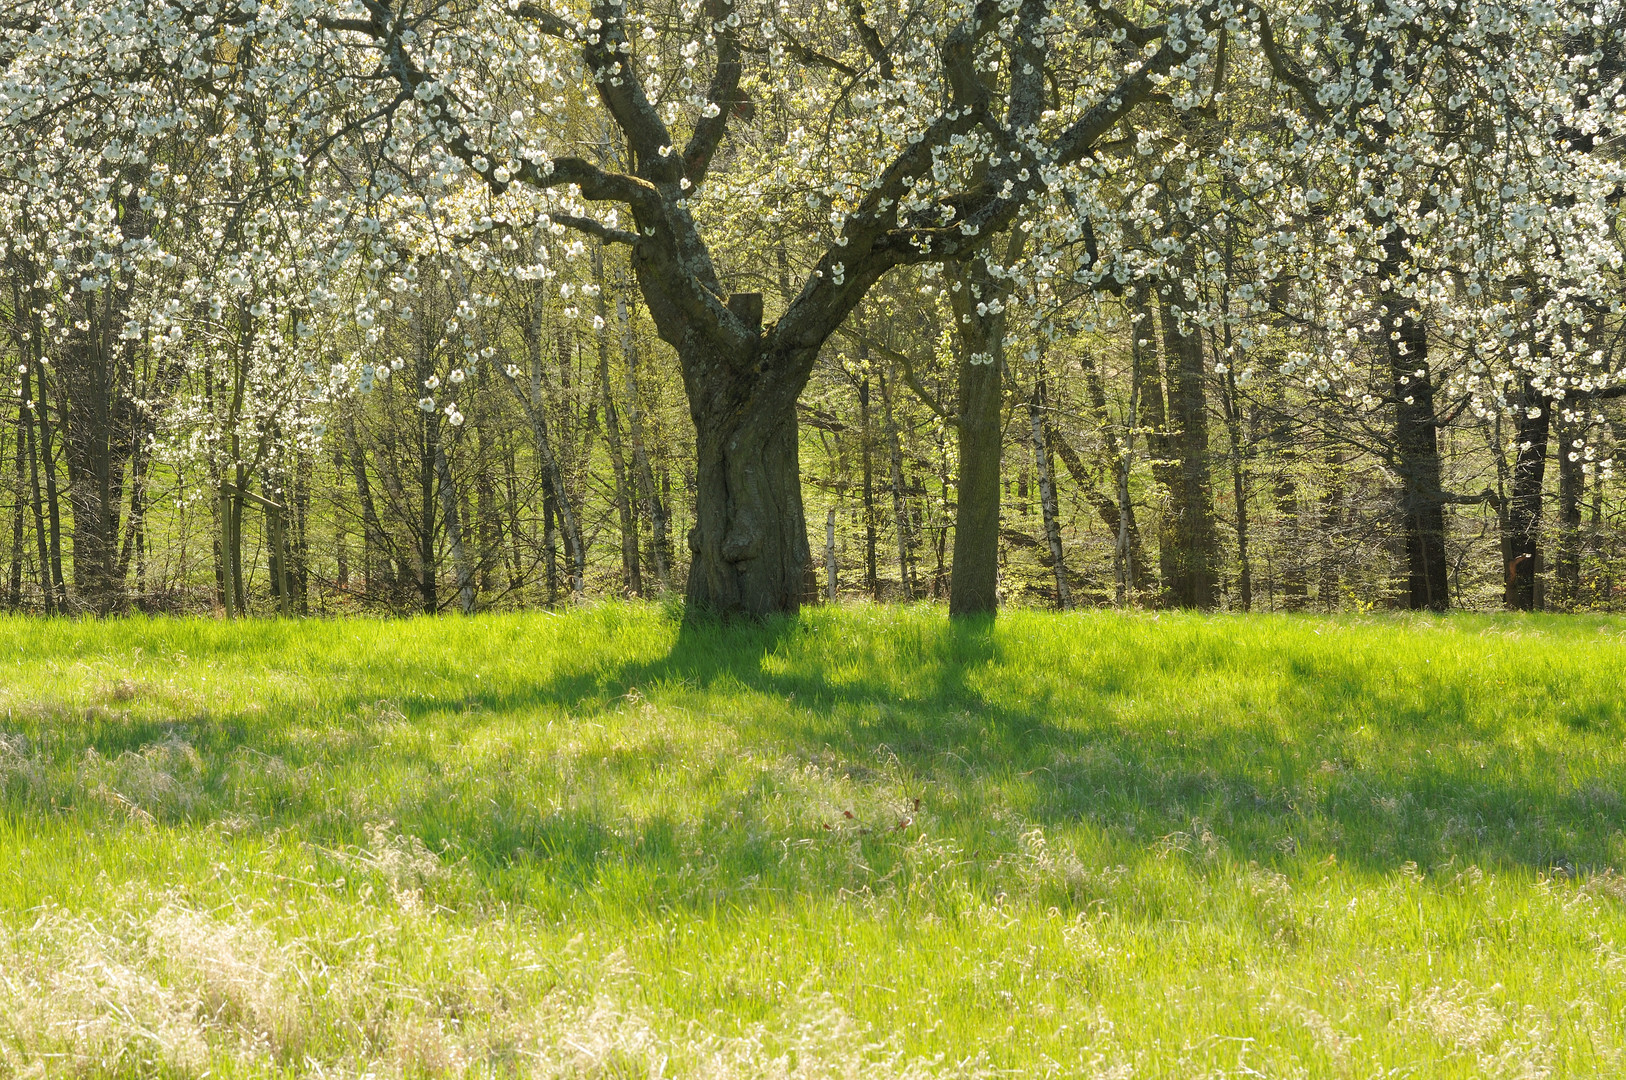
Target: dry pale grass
{"type": "Point", "coordinates": [157, 987]}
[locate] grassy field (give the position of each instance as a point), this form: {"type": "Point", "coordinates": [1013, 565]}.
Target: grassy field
{"type": "Point", "coordinates": [865, 843]}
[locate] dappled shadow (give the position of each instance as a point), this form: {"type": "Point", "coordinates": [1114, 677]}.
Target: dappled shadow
{"type": "Point", "coordinates": [975, 730]}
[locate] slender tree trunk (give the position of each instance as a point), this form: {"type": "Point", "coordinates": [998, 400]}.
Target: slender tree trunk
{"type": "Point", "coordinates": [1118, 513]}
{"type": "Point", "coordinates": [1239, 490]}
{"type": "Point", "coordinates": [453, 518]}
{"type": "Point", "coordinates": [517, 569]}
{"type": "Point", "coordinates": [631, 570]}
{"type": "Point", "coordinates": [14, 581]}
{"type": "Point", "coordinates": [299, 564]}
{"type": "Point", "coordinates": [428, 458]}
{"type": "Point", "coordinates": [1571, 486]}
{"type": "Point", "coordinates": [550, 544]}
{"type": "Point", "coordinates": [1522, 549]}
{"type": "Point", "coordinates": [1295, 586]}
{"type": "Point", "coordinates": [56, 583]}
{"type": "Point", "coordinates": [866, 444]}
{"type": "Point", "coordinates": [1047, 493]}
{"type": "Point", "coordinates": [341, 536]}
{"type": "Point", "coordinates": [553, 473]}
{"type": "Point", "coordinates": [1151, 394]}
{"type": "Point", "coordinates": [654, 508]}
{"type": "Point", "coordinates": [135, 526]}
{"type": "Point", "coordinates": [375, 548]}
{"type": "Point", "coordinates": [1332, 499]}
{"type": "Point", "coordinates": [488, 522]}
{"type": "Point", "coordinates": [900, 502]}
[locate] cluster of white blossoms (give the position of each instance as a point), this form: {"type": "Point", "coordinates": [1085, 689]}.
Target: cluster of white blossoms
{"type": "Point", "coordinates": [249, 196]}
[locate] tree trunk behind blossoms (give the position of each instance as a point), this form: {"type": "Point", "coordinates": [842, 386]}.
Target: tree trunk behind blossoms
{"type": "Point", "coordinates": [1523, 551]}
{"type": "Point", "coordinates": [1417, 458]}
{"type": "Point", "coordinates": [96, 445]}
{"type": "Point", "coordinates": [1189, 538]}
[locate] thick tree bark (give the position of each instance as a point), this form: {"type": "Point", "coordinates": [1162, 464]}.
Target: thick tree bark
{"type": "Point", "coordinates": [1522, 549]}
{"type": "Point", "coordinates": [94, 446]}
{"type": "Point", "coordinates": [749, 541]}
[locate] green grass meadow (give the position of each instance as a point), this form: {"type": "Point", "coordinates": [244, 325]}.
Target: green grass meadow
{"type": "Point", "coordinates": [861, 843]}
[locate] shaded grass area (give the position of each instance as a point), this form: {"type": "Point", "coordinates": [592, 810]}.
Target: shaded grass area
{"type": "Point", "coordinates": [861, 842]}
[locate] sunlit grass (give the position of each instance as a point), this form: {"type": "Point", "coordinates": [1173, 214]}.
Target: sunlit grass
{"type": "Point", "coordinates": [865, 842]}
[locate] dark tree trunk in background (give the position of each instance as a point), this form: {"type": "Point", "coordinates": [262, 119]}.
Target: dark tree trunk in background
{"type": "Point", "coordinates": [14, 580]}
{"type": "Point", "coordinates": [974, 581]}
{"type": "Point", "coordinates": [867, 447]}
{"type": "Point", "coordinates": [453, 518]}
{"type": "Point", "coordinates": [1417, 439]}
{"type": "Point", "coordinates": [631, 568]}
{"type": "Point", "coordinates": [1295, 584]}
{"type": "Point", "coordinates": [377, 568]}
{"type": "Point", "coordinates": [1332, 498]}
{"type": "Point", "coordinates": [1523, 546]}
{"type": "Point", "coordinates": [1240, 468]}
{"type": "Point", "coordinates": [1045, 468]}
{"type": "Point", "coordinates": [95, 446]}
{"type": "Point", "coordinates": [1191, 577]}
{"type": "Point", "coordinates": [428, 597]}
{"type": "Point", "coordinates": [660, 546]}
{"type": "Point", "coordinates": [51, 572]}
{"type": "Point", "coordinates": [900, 505]}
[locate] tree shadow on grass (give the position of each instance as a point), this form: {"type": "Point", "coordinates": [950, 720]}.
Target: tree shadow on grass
{"type": "Point", "coordinates": [958, 714]}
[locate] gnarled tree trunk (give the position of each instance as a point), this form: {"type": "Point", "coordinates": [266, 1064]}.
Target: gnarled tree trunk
{"type": "Point", "coordinates": [749, 541]}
